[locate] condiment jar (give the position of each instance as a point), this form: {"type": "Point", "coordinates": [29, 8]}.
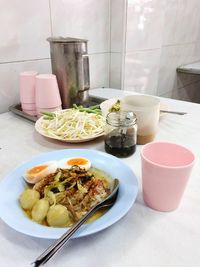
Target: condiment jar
{"type": "Point", "coordinates": [120, 133]}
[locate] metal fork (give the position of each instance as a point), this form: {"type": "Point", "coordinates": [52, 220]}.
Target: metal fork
{"type": "Point", "coordinates": [56, 246]}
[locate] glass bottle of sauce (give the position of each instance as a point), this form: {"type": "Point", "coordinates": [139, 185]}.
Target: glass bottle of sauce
{"type": "Point", "coordinates": [121, 133]}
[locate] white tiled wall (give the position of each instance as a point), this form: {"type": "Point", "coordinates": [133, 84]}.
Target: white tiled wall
{"type": "Point", "coordinates": [88, 19]}
{"type": "Point", "coordinates": [25, 25]}
{"type": "Point", "coordinates": [172, 57]}
{"type": "Point", "coordinates": [144, 25]}
{"type": "Point", "coordinates": [160, 36]}
{"type": "Point", "coordinates": [9, 79]}
{"type": "Point", "coordinates": [24, 29]}
{"type": "Point", "coordinates": [141, 71]}
{"type": "Point", "coordinates": [118, 10]}
{"type": "Point", "coordinates": [115, 77]}
{"type": "Point", "coordinates": [144, 28]}
{"type": "Point", "coordinates": [181, 22]}
{"type": "Point", "coordinates": [133, 44]}
{"type": "Point", "coordinates": [181, 45]}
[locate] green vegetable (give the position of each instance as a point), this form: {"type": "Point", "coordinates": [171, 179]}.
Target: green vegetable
{"type": "Point", "coordinates": [48, 118]}
{"type": "Point", "coordinates": [93, 109]}
{"type": "Point", "coordinates": [48, 115]}
{"type": "Point", "coordinates": [73, 91]}
{"type": "Point", "coordinates": [58, 176]}
{"type": "Point", "coordinates": [115, 107]}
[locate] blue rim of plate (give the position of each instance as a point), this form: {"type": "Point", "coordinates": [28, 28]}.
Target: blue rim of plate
{"type": "Point", "coordinates": [13, 184]}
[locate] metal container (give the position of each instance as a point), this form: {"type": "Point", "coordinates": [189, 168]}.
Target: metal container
{"type": "Point", "coordinates": [70, 64]}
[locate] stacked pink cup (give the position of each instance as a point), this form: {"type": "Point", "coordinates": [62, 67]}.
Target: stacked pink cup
{"type": "Point", "coordinates": [27, 92]}
{"type": "Point", "coordinates": [47, 96]}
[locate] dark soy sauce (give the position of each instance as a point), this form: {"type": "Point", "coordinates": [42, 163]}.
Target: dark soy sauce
{"type": "Point", "coordinates": [120, 146]}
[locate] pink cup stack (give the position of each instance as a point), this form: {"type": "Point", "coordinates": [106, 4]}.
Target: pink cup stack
{"type": "Point", "coordinates": [27, 92]}
{"type": "Point", "coordinates": [47, 96]}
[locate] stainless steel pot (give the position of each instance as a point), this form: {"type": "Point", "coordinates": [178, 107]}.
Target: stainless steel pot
{"type": "Point", "coordinates": [70, 64]}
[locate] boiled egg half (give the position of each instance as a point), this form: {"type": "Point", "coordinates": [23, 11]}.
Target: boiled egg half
{"type": "Point", "coordinates": [38, 172]}
{"type": "Point", "coordinates": [67, 163]}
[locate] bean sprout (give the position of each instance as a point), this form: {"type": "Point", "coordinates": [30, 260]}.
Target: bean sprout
{"type": "Point", "coordinates": [72, 124]}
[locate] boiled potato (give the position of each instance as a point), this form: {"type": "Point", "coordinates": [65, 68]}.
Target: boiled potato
{"type": "Point", "coordinates": [28, 198]}
{"type": "Point", "coordinates": [58, 216]}
{"type": "Point", "coordinates": [40, 210]}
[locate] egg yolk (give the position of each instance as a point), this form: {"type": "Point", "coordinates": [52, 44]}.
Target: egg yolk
{"type": "Point", "coordinates": [37, 169]}
{"type": "Point", "coordinates": [77, 161]}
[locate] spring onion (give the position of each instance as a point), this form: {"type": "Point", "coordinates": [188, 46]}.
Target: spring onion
{"type": "Point", "coordinates": [92, 109]}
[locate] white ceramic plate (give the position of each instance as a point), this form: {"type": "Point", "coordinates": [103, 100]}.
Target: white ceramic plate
{"type": "Point", "coordinates": [40, 130]}
{"type": "Point", "coordinates": [89, 138]}
{"type": "Point", "coordinates": [13, 184]}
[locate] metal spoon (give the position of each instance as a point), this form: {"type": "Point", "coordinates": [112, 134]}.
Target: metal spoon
{"type": "Point", "coordinates": [173, 112]}
{"type": "Point", "coordinates": [56, 246]}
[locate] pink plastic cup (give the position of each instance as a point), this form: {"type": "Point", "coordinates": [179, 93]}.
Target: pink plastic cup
{"type": "Point", "coordinates": [46, 92]}
{"type": "Point", "coordinates": [28, 106]}
{"type": "Point", "coordinates": [27, 86]}
{"type": "Point", "coordinates": [30, 112]}
{"type": "Point", "coordinates": [166, 168]}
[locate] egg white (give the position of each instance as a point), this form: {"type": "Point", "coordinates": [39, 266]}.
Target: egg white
{"type": "Point", "coordinates": [63, 163]}
{"type": "Point", "coordinates": [31, 177]}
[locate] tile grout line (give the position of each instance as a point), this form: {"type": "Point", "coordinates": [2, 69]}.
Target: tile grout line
{"type": "Point", "coordinates": [50, 16]}
{"type": "Point", "coordinates": [110, 29]}
{"type": "Point", "coordinates": [180, 44]}
{"type": "Point", "coordinates": [37, 59]}
{"type": "Point", "coordinates": [123, 53]}
{"type": "Point", "coordinates": [24, 60]}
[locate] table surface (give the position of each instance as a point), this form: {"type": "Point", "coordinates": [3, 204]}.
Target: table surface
{"type": "Point", "coordinates": [144, 237]}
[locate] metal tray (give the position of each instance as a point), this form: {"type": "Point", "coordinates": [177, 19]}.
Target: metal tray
{"type": "Point", "coordinates": [18, 110]}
